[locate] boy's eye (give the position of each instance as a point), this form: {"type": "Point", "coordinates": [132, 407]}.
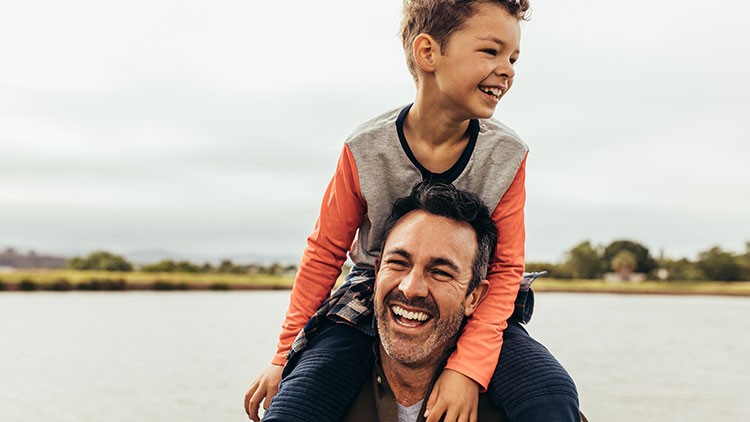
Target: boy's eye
{"type": "Point", "coordinates": [513, 60]}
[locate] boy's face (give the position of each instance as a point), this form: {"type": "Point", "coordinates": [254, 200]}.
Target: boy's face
{"type": "Point", "coordinates": [475, 68]}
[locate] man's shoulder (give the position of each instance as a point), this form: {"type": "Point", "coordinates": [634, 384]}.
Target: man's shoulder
{"type": "Point", "coordinates": [487, 411]}
{"type": "Point", "coordinates": [379, 126]}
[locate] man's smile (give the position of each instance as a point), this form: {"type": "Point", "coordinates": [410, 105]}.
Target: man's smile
{"type": "Point", "coordinates": [408, 318]}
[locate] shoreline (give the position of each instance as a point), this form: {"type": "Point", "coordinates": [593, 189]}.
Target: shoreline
{"type": "Point", "coordinates": [206, 288]}
{"type": "Point", "coordinates": [65, 280]}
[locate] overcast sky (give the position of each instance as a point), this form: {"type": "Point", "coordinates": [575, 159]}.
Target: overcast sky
{"type": "Point", "coordinates": [211, 128]}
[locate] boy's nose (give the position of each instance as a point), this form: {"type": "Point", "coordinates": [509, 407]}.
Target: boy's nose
{"type": "Point", "coordinates": [505, 69]}
{"type": "Point", "coordinates": [413, 285]}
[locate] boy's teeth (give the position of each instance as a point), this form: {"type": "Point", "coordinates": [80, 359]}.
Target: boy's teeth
{"type": "Point", "coordinates": [403, 313]}
{"type": "Point", "coordinates": [495, 92]}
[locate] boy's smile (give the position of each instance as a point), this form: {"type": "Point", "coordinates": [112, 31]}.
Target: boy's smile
{"type": "Point", "coordinates": [474, 68]}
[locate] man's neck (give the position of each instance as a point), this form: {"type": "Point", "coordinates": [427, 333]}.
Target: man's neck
{"type": "Point", "coordinates": [409, 383]}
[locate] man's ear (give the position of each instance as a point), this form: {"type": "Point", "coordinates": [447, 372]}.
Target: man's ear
{"type": "Point", "coordinates": [476, 297]}
{"type": "Point", "coordinates": [425, 49]}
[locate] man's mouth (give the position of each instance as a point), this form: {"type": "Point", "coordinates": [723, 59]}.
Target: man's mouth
{"type": "Point", "coordinates": [494, 91]}
{"type": "Point", "coordinates": [409, 318]}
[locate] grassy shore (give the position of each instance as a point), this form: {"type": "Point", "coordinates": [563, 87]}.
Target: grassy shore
{"type": "Point", "coordinates": [715, 288]}
{"type": "Point", "coordinates": [63, 280]}
{"type": "Point", "coordinates": [102, 280]}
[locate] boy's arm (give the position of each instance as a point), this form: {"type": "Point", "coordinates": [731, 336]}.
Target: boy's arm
{"type": "Point", "coordinates": [341, 214]}
{"type": "Point", "coordinates": [479, 346]}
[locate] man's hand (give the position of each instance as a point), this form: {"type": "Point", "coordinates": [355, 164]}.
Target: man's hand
{"type": "Point", "coordinates": [456, 396]}
{"type": "Point", "coordinates": [267, 385]}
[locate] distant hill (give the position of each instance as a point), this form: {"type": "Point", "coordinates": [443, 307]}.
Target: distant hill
{"type": "Point", "coordinates": [11, 258]}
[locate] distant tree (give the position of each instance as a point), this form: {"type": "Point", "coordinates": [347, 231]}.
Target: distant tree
{"type": "Point", "coordinates": [553, 270]}
{"type": "Point", "coordinates": [102, 261]}
{"type": "Point", "coordinates": [584, 261]}
{"type": "Point", "coordinates": [163, 266]}
{"type": "Point", "coordinates": [169, 266]}
{"type": "Point", "coordinates": [227, 267]}
{"type": "Point", "coordinates": [681, 270]}
{"type": "Point", "coordinates": [187, 267]}
{"type": "Point", "coordinates": [744, 263]}
{"type": "Point", "coordinates": [644, 262]}
{"type": "Point", "coordinates": [718, 265]}
{"type": "Point", "coordinates": [624, 263]}
{"type": "Point", "coordinates": [275, 269]}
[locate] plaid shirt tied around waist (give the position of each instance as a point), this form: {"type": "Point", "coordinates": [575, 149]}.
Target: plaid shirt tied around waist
{"type": "Point", "coordinates": [351, 304]}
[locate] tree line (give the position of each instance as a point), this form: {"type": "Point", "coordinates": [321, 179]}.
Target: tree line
{"type": "Point", "coordinates": [107, 261]}
{"type": "Point", "coordinates": [584, 261]}
{"type": "Point", "coordinates": [588, 261]}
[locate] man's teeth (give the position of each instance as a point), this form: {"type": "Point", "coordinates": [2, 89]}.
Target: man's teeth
{"type": "Point", "coordinates": [495, 92]}
{"type": "Point", "coordinates": [415, 316]}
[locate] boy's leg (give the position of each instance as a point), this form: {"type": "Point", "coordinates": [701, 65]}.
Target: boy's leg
{"type": "Point", "coordinates": [529, 384]}
{"type": "Point", "coordinates": [325, 377]}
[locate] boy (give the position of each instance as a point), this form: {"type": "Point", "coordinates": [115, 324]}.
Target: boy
{"type": "Point", "coordinates": [461, 55]}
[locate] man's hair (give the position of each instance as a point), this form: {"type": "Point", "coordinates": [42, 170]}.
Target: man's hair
{"type": "Point", "coordinates": [446, 201]}
{"type": "Point", "coordinates": [440, 18]}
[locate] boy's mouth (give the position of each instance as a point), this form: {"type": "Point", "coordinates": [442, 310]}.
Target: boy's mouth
{"type": "Point", "coordinates": [494, 91]}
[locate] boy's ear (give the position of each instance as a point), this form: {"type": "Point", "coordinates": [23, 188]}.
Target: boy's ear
{"type": "Point", "coordinates": [425, 49]}
{"type": "Point", "coordinates": [476, 297]}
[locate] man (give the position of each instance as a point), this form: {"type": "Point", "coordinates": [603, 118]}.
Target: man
{"type": "Point", "coordinates": [430, 279]}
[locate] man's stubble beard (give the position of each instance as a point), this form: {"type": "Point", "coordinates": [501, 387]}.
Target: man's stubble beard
{"type": "Point", "coordinates": [407, 350]}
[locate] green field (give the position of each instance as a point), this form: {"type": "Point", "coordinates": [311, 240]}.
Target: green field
{"type": "Point", "coordinates": [83, 280]}
{"type": "Point", "coordinates": [102, 280]}
{"type": "Point", "coordinates": [647, 287]}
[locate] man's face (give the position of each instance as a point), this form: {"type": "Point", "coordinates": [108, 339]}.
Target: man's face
{"type": "Point", "coordinates": [421, 284]}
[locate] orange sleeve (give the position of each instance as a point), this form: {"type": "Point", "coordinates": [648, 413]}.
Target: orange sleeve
{"type": "Point", "coordinates": [341, 214]}
{"type": "Point", "coordinates": [479, 346]}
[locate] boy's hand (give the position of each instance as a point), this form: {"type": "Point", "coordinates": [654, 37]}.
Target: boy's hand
{"type": "Point", "coordinates": [456, 396]}
{"type": "Point", "coordinates": [267, 385]}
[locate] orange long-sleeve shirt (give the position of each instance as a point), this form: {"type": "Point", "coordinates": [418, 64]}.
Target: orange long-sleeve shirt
{"type": "Point", "coordinates": [375, 168]}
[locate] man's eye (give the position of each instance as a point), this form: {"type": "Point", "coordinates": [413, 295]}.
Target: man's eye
{"type": "Point", "coordinates": [490, 51]}
{"type": "Point", "coordinates": [441, 275]}
{"type": "Point", "coordinates": [396, 263]}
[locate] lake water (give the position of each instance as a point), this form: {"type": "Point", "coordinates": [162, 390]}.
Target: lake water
{"type": "Point", "coordinates": [190, 356]}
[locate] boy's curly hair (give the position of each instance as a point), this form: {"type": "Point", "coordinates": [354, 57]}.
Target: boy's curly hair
{"type": "Point", "coordinates": [440, 18]}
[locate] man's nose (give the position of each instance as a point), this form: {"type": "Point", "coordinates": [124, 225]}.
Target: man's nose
{"type": "Point", "coordinates": [414, 285]}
